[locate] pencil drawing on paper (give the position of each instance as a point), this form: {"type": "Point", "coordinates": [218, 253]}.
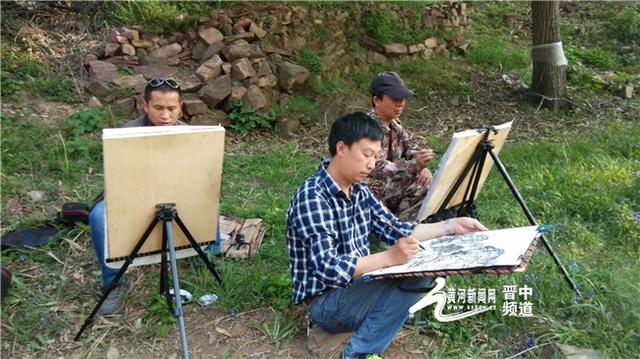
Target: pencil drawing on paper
{"type": "Point", "coordinates": [464, 251]}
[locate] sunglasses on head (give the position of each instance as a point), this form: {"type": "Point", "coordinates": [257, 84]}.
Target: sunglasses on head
{"type": "Point", "coordinates": [159, 82]}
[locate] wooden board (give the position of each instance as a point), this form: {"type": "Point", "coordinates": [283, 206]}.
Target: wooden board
{"type": "Point", "coordinates": [461, 149]}
{"type": "Point", "coordinates": [144, 166]}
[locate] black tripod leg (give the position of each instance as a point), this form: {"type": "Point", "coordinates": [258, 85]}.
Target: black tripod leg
{"type": "Point", "coordinates": [115, 280]}
{"type": "Point", "coordinates": [211, 266]}
{"type": "Point", "coordinates": [164, 283]}
{"type": "Point", "coordinates": [532, 220]}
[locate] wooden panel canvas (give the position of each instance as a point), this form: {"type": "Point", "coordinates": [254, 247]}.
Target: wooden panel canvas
{"type": "Point", "coordinates": [144, 166]}
{"type": "Point", "coordinates": [461, 149]}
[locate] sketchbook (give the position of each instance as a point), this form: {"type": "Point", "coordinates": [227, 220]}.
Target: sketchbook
{"type": "Point", "coordinates": [145, 166]}
{"type": "Point", "coordinates": [460, 151]}
{"type": "Point", "coordinates": [495, 252]}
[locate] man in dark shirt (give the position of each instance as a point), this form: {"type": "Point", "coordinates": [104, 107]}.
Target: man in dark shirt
{"type": "Point", "coordinates": [163, 107]}
{"type": "Point", "coordinates": [329, 222]}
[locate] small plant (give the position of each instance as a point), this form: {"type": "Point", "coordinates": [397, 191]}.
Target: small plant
{"type": "Point", "coordinates": [626, 25]}
{"type": "Point", "coordinates": [158, 316]}
{"type": "Point", "coordinates": [87, 121]}
{"type": "Point", "coordinates": [246, 119]}
{"type": "Point", "coordinates": [311, 60]}
{"type": "Point", "coordinates": [279, 330]}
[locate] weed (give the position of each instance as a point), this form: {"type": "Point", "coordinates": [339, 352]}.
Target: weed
{"type": "Point", "coordinates": [496, 53]}
{"type": "Point", "coordinates": [595, 57]}
{"type": "Point", "coordinates": [156, 16]}
{"type": "Point", "coordinates": [245, 119]}
{"type": "Point", "coordinates": [279, 330]}
{"type": "Point", "coordinates": [625, 25]}
{"type": "Point", "coordinates": [310, 59]}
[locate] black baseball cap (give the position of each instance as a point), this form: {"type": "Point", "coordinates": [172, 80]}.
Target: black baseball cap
{"type": "Point", "coordinates": [390, 83]}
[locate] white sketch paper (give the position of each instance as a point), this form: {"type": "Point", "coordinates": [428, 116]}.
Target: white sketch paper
{"type": "Point", "coordinates": [498, 248]}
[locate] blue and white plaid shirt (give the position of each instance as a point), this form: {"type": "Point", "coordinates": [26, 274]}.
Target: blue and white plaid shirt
{"type": "Point", "coordinates": [327, 232]}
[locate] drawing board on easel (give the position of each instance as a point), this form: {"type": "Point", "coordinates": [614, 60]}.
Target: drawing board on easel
{"type": "Point", "coordinates": [460, 152]}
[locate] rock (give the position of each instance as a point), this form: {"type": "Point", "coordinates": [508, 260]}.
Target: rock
{"type": "Point", "coordinates": [275, 50]}
{"type": "Point", "coordinates": [121, 39]}
{"type": "Point", "coordinates": [241, 69]}
{"type": "Point", "coordinates": [94, 102]}
{"type": "Point", "coordinates": [124, 106]}
{"type": "Point", "coordinates": [198, 50]}
{"type": "Point", "coordinates": [210, 118]}
{"type": "Point", "coordinates": [209, 69]}
{"type": "Point", "coordinates": [240, 49]}
{"type": "Point", "coordinates": [254, 98]}
{"type": "Point", "coordinates": [257, 30]}
{"type": "Point", "coordinates": [291, 75]}
{"type": "Point", "coordinates": [264, 69]}
{"type": "Point", "coordinates": [240, 36]}
{"type": "Point", "coordinates": [167, 51]}
{"type": "Point", "coordinates": [156, 71]}
{"type": "Point", "coordinates": [88, 58]}
{"type": "Point", "coordinates": [379, 58]}
{"type": "Point", "coordinates": [226, 68]}
{"type": "Point", "coordinates": [372, 44]}
{"type": "Point", "coordinates": [626, 91]}
{"type": "Point", "coordinates": [427, 54]}
{"type": "Point", "coordinates": [416, 48]}
{"type": "Point", "coordinates": [269, 81]}
{"type": "Point", "coordinates": [212, 50]}
{"type": "Point", "coordinates": [237, 91]}
{"type": "Point", "coordinates": [243, 23]}
{"type": "Point", "coordinates": [113, 353]}
{"type": "Point", "coordinates": [36, 196]}
{"type": "Point", "coordinates": [143, 44]}
{"type": "Point", "coordinates": [210, 35]}
{"type": "Point", "coordinates": [215, 91]}
{"type": "Point", "coordinates": [111, 49]}
{"type": "Point", "coordinates": [130, 82]}
{"type": "Point", "coordinates": [395, 49]}
{"type": "Point", "coordinates": [102, 71]}
{"type": "Point", "coordinates": [141, 53]}
{"type": "Point", "coordinates": [190, 84]}
{"type": "Point", "coordinates": [130, 34]}
{"type": "Point", "coordinates": [98, 88]}
{"type": "Point", "coordinates": [286, 128]}
{"type": "Point", "coordinates": [431, 43]}
{"type": "Point", "coordinates": [194, 107]}
{"type": "Point", "coordinates": [572, 352]}
{"type": "Point", "coordinates": [128, 50]}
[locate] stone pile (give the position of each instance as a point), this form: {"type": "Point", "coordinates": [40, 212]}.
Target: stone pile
{"type": "Point", "coordinates": [219, 62]}
{"type": "Point", "coordinates": [444, 15]}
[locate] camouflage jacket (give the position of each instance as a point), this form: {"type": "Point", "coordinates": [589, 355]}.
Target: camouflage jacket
{"type": "Point", "coordinates": [397, 157]}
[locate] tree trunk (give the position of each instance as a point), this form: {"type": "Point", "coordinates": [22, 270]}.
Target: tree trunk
{"type": "Point", "coordinates": [549, 73]}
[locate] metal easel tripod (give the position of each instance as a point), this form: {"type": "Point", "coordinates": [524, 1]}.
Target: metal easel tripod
{"type": "Point", "coordinates": [167, 213]}
{"type": "Point", "coordinates": [466, 207]}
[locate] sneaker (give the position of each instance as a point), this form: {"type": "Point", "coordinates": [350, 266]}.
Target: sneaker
{"type": "Point", "coordinates": [361, 356]}
{"type": "Point", "coordinates": [114, 301]}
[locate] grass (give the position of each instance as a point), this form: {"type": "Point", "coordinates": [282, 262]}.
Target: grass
{"type": "Point", "coordinates": [156, 16]}
{"type": "Point", "coordinates": [22, 71]}
{"type": "Point", "coordinates": [563, 186]}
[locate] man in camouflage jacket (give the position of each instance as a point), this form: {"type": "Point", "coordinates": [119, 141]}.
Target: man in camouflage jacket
{"type": "Point", "coordinates": [401, 177]}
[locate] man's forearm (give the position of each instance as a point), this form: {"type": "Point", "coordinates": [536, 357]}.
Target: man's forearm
{"type": "Point", "coordinates": [424, 231]}
{"type": "Point", "coordinates": [372, 262]}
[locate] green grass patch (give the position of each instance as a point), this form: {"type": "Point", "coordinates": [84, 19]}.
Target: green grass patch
{"type": "Point", "coordinates": [156, 16]}
{"type": "Point", "coordinates": [21, 70]}
{"type": "Point", "coordinates": [388, 27]}
{"type": "Point", "coordinates": [496, 53]}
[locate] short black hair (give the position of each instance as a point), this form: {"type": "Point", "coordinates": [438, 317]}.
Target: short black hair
{"type": "Point", "coordinates": [162, 88]}
{"type": "Point", "coordinates": [379, 95]}
{"type": "Point", "coordinates": [351, 128]}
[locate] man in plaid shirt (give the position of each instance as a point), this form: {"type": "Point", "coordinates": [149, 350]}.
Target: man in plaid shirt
{"type": "Point", "coordinates": [329, 222]}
